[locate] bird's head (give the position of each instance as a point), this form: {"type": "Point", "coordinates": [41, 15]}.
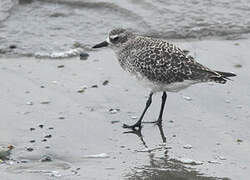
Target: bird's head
{"type": "Point", "coordinates": [117, 38]}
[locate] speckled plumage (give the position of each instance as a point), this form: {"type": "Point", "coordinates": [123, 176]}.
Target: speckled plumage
{"type": "Point", "coordinates": [159, 61]}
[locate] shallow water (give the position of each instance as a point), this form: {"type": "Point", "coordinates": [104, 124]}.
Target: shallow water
{"type": "Point", "coordinates": [43, 27]}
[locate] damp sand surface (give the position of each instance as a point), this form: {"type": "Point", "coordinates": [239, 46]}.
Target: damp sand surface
{"type": "Point", "coordinates": [65, 119]}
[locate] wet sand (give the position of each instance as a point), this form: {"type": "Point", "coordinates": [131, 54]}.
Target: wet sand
{"type": "Point", "coordinates": [87, 140]}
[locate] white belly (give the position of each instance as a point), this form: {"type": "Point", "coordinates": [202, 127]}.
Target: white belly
{"type": "Point", "coordinates": [159, 87]}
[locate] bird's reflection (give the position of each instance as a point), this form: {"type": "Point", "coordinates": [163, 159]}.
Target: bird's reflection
{"type": "Point", "coordinates": [163, 137]}
{"type": "Point", "coordinates": [164, 167]}
{"type": "Point", "coordinates": [167, 169]}
{"type": "Point", "coordinates": [138, 132]}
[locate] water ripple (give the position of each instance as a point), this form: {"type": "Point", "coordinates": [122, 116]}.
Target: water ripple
{"type": "Point", "coordinates": [44, 26]}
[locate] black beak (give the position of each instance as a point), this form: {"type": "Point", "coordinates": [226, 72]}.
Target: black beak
{"type": "Point", "coordinates": [102, 44]}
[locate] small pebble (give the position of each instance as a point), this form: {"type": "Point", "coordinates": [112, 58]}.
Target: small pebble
{"type": "Point", "coordinates": [113, 111]}
{"type": "Point", "coordinates": [187, 98]}
{"type": "Point", "coordinates": [84, 56]}
{"type": "Point", "coordinates": [40, 125]}
{"type": "Point", "coordinates": [29, 149]}
{"type": "Point", "coordinates": [12, 46]}
{"type": "Point", "coordinates": [24, 161]}
{"type": "Point", "coordinates": [42, 86]}
{"type": "Point", "coordinates": [239, 140]}
{"type": "Point", "coordinates": [5, 152]}
{"type": "Point", "coordinates": [105, 83]}
{"type": "Point", "coordinates": [60, 66]}
{"type": "Point", "coordinates": [113, 122]}
{"type": "Point", "coordinates": [187, 146]}
{"type": "Point", "coordinates": [44, 140]}
{"type": "Point", "coordinates": [61, 117]}
{"type": "Point", "coordinates": [32, 141]}
{"type": "Point", "coordinates": [45, 102]}
{"type": "Point", "coordinates": [94, 86]}
{"type": "Point", "coordinates": [50, 128]}
{"type": "Point", "coordinates": [237, 65]}
{"type": "Point", "coordinates": [81, 90]}
{"type": "Point", "coordinates": [46, 159]}
{"type": "Point", "coordinates": [32, 129]}
{"type": "Point", "coordinates": [10, 147]}
{"type": "Point", "coordinates": [48, 136]}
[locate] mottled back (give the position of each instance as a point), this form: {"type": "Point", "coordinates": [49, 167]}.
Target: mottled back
{"type": "Point", "coordinates": [162, 62]}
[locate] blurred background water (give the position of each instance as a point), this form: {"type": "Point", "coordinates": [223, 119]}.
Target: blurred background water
{"type": "Point", "coordinates": [43, 27]}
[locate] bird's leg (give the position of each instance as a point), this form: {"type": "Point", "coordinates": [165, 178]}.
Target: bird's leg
{"type": "Point", "coordinates": [138, 123]}
{"type": "Point", "coordinates": [163, 101]}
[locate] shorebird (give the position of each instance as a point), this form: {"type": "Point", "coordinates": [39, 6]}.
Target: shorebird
{"type": "Point", "coordinates": [158, 65]}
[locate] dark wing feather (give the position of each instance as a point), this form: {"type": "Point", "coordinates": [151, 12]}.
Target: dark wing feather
{"type": "Point", "coordinates": [163, 62]}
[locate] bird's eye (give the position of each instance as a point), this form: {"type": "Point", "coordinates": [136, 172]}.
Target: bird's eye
{"type": "Point", "coordinates": [116, 38]}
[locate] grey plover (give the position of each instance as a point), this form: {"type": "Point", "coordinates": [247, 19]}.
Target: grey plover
{"type": "Point", "coordinates": [159, 65]}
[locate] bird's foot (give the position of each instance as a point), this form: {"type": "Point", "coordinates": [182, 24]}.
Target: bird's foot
{"type": "Point", "coordinates": [134, 131]}
{"type": "Point", "coordinates": [135, 127]}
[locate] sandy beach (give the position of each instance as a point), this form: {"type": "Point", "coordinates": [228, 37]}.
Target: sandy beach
{"type": "Point", "coordinates": [64, 118]}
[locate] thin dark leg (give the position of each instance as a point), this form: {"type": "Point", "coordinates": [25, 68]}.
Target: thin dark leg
{"type": "Point", "coordinates": [138, 123]}
{"type": "Point", "coordinates": [163, 101]}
